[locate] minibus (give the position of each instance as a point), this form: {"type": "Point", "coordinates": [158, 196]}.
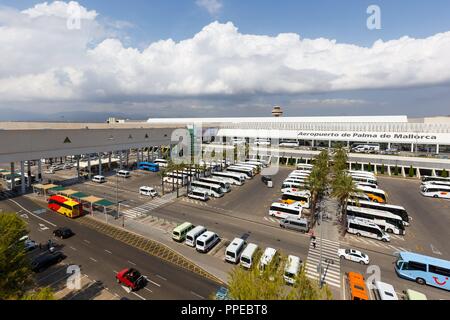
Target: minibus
{"type": "Point", "coordinates": [269, 257]}
{"type": "Point", "coordinates": [385, 291]}
{"type": "Point", "coordinates": [357, 285]}
{"type": "Point", "coordinates": [234, 250]}
{"type": "Point", "coordinates": [291, 269]}
{"type": "Point", "coordinates": [206, 241]}
{"type": "Point", "coordinates": [99, 179]}
{"type": "Point", "coordinates": [248, 255]}
{"type": "Point", "coordinates": [284, 211]}
{"type": "Point", "coordinates": [148, 191]}
{"type": "Point", "coordinates": [192, 235]}
{"type": "Point", "coordinates": [305, 166]}
{"type": "Point", "coordinates": [161, 162]}
{"type": "Point", "coordinates": [123, 174]}
{"type": "Point", "coordinates": [179, 233]}
{"type": "Point", "coordinates": [247, 172]}
{"type": "Point", "coordinates": [198, 195]}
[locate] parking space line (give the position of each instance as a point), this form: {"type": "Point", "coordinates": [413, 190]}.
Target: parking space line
{"type": "Point", "coordinates": [87, 241]}
{"type": "Point", "coordinates": [153, 282]}
{"type": "Point", "coordinates": [74, 249]}
{"type": "Point", "coordinates": [49, 275]}
{"type": "Point", "coordinates": [108, 251]}
{"type": "Point", "coordinates": [148, 290]}
{"type": "Point", "coordinates": [161, 277]}
{"type": "Point", "coordinates": [130, 262]}
{"type": "Point", "coordinates": [93, 259]}
{"type": "Point", "coordinates": [140, 297]}
{"type": "Point", "coordinates": [197, 295]}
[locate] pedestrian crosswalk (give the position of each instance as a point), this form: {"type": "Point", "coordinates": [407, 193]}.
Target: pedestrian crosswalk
{"type": "Point", "coordinates": [331, 269]}
{"type": "Point", "coordinates": [351, 239]}
{"type": "Point", "coordinates": [144, 209]}
{"type": "Point", "coordinates": [271, 220]}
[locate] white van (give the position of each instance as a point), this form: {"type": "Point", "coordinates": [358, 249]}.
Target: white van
{"type": "Point", "coordinates": [124, 173]}
{"type": "Point", "coordinates": [206, 241]}
{"type": "Point", "coordinates": [247, 255]}
{"type": "Point", "coordinates": [234, 250]}
{"type": "Point", "coordinates": [291, 269]}
{"type": "Point", "coordinates": [385, 291]}
{"type": "Point", "coordinates": [192, 235]}
{"type": "Point", "coordinates": [99, 179]}
{"type": "Point", "coordinates": [161, 162]}
{"type": "Point", "coordinates": [198, 195]}
{"type": "Point", "coordinates": [148, 191]}
{"type": "Point", "coordinates": [267, 258]}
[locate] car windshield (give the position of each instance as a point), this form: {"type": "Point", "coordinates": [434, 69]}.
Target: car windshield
{"type": "Point", "coordinates": [133, 275]}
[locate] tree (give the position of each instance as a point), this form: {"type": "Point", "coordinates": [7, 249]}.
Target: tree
{"type": "Point", "coordinates": [343, 187]}
{"type": "Point", "coordinates": [318, 181]}
{"type": "Point", "coordinates": [269, 285]}
{"type": "Point", "coordinates": [396, 170]}
{"type": "Point", "coordinates": [411, 172]}
{"type": "Point", "coordinates": [444, 174]}
{"type": "Point", "coordinates": [14, 264]}
{"type": "Point", "coordinates": [383, 168]}
{"type": "Point", "coordinates": [369, 167]}
{"type": "Point", "coordinates": [40, 294]}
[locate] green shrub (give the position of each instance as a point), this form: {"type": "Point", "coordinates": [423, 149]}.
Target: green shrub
{"type": "Point", "coordinates": [411, 171]}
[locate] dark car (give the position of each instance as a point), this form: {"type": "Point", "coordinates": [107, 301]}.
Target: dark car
{"type": "Point", "coordinates": [41, 263]}
{"type": "Point", "coordinates": [63, 233]}
{"type": "Point", "coordinates": [266, 179]}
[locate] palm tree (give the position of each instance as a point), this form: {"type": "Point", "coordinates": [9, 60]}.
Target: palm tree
{"type": "Point", "coordinates": [343, 187]}
{"type": "Point", "coordinates": [162, 174]}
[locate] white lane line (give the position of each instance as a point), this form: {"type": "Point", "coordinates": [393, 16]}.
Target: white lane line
{"type": "Point", "coordinates": [197, 295]}
{"type": "Point", "coordinates": [130, 262]}
{"type": "Point", "coordinates": [108, 251]}
{"type": "Point", "coordinates": [161, 277]}
{"type": "Point", "coordinates": [87, 241]}
{"type": "Point", "coordinates": [148, 290]}
{"type": "Point", "coordinates": [153, 282]}
{"type": "Point", "coordinates": [140, 297]}
{"type": "Point", "coordinates": [51, 274]}
{"type": "Point", "coordinates": [52, 224]}
{"type": "Point", "coordinates": [74, 249]}
{"type": "Point", "coordinates": [92, 259]}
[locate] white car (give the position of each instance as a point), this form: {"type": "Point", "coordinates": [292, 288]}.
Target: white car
{"type": "Point", "coordinates": [148, 191]}
{"type": "Point", "coordinates": [353, 255]}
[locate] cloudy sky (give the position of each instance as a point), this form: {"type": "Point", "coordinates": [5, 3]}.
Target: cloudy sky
{"type": "Point", "coordinates": [80, 61]}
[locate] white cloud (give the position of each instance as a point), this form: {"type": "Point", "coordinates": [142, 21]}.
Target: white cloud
{"type": "Point", "coordinates": [60, 9]}
{"type": "Point", "coordinates": [212, 6]}
{"type": "Point", "coordinates": [42, 60]}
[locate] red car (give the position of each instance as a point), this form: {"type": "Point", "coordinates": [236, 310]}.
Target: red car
{"type": "Point", "coordinates": [131, 278]}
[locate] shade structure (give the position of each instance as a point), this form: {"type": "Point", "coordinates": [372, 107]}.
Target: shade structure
{"type": "Point", "coordinates": [79, 195]}
{"type": "Point", "coordinates": [68, 192]}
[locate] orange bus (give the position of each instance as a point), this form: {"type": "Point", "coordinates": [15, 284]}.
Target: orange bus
{"type": "Point", "coordinates": [358, 289]}
{"type": "Point", "coordinates": [65, 206]}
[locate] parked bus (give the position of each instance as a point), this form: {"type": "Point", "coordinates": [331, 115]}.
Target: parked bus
{"type": "Point", "coordinates": [397, 210]}
{"type": "Point", "coordinates": [245, 166]}
{"type": "Point", "coordinates": [423, 269]}
{"type": "Point", "coordinates": [430, 178]}
{"type": "Point", "coordinates": [176, 178]}
{"type": "Point", "coordinates": [224, 185]}
{"type": "Point", "coordinates": [387, 221]}
{"type": "Point", "coordinates": [296, 180]}
{"type": "Point", "coordinates": [161, 162]}
{"type": "Point", "coordinates": [148, 166]}
{"type": "Point", "coordinates": [366, 228]}
{"type": "Point", "coordinates": [255, 167]}
{"type": "Point", "coordinates": [375, 195]}
{"type": "Point", "coordinates": [65, 206]}
{"type": "Point", "coordinates": [180, 232]}
{"type": "Point", "coordinates": [192, 235]}
{"type": "Point", "coordinates": [257, 163]}
{"type": "Point", "coordinates": [435, 191]}
{"type": "Point", "coordinates": [362, 179]}
{"type": "Point", "coordinates": [292, 269]}
{"type": "Point", "coordinates": [305, 166]}
{"type": "Point", "coordinates": [248, 255]}
{"type": "Point", "coordinates": [362, 173]}
{"type": "Point", "coordinates": [284, 211]}
{"type": "Point", "coordinates": [248, 172]}
{"type": "Point", "coordinates": [295, 186]}
{"type": "Point", "coordinates": [301, 197]}
{"type": "Point", "coordinates": [212, 190]}
{"type": "Point", "coordinates": [232, 178]}
{"type": "Point", "coordinates": [437, 183]}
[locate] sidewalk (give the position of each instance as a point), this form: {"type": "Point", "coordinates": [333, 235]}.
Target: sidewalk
{"type": "Point", "coordinates": [209, 263]}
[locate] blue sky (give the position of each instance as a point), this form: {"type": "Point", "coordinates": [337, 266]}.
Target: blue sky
{"type": "Point", "coordinates": [344, 21]}
{"type": "Point", "coordinates": [224, 71]}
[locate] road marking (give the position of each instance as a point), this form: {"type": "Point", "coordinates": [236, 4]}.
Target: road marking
{"type": "Point", "coordinates": [87, 241]}
{"type": "Point", "coordinates": [197, 295]}
{"type": "Point", "coordinates": [74, 249]}
{"type": "Point", "coordinates": [108, 251]}
{"type": "Point", "coordinates": [42, 219]}
{"type": "Point", "coordinates": [130, 262]}
{"type": "Point", "coordinates": [161, 277]}
{"type": "Point", "coordinates": [138, 296]}
{"type": "Point", "coordinates": [93, 259]}
{"type": "Point", "coordinates": [148, 290]}
{"type": "Point", "coordinates": [435, 251]}
{"type": "Point", "coordinates": [42, 227]}
{"type": "Point", "coordinates": [49, 275]}
{"type": "Point", "coordinates": [153, 282]}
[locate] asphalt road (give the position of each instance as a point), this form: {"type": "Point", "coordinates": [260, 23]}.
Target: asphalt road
{"type": "Point", "coordinates": [100, 257]}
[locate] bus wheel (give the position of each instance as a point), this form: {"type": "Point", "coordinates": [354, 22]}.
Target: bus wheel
{"type": "Point", "coordinates": [435, 196]}
{"type": "Point", "coordinates": [358, 234]}
{"type": "Point", "coordinates": [390, 231]}
{"type": "Point", "coordinates": [421, 281]}
{"type": "Point", "coordinates": [375, 200]}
